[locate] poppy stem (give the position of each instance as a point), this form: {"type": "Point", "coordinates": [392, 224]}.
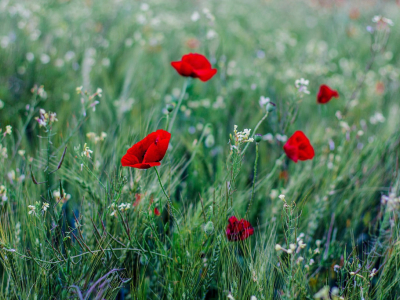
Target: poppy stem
{"type": "Point", "coordinates": [255, 130]}
{"type": "Point", "coordinates": [185, 85]}
{"type": "Point", "coordinates": [166, 126]}
{"type": "Point", "coordinates": [168, 199]}
{"type": "Point", "coordinates": [254, 181]}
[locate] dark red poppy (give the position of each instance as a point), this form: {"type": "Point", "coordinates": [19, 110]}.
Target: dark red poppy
{"type": "Point", "coordinates": [156, 211]}
{"type": "Point", "coordinates": [148, 152]}
{"type": "Point", "coordinates": [238, 230]}
{"type": "Point", "coordinates": [325, 94]}
{"type": "Point", "coordinates": [194, 65]}
{"type": "Point", "coordinates": [298, 147]}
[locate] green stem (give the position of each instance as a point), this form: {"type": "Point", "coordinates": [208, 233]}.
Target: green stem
{"type": "Point", "coordinates": [166, 196]}
{"type": "Point", "coordinates": [254, 181]}
{"type": "Point", "coordinates": [255, 130]}
{"type": "Point", "coordinates": [48, 164]}
{"type": "Point", "coordinates": [185, 85]}
{"type": "Point", "coordinates": [166, 126]}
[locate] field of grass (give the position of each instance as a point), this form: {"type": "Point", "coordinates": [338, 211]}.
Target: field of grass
{"type": "Point", "coordinates": [76, 224]}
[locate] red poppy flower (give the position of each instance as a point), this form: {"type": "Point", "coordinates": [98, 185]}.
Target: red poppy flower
{"type": "Point", "coordinates": [238, 230]}
{"type": "Point", "coordinates": [148, 152]}
{"type": "Point", "coordinates": [194, 65]}
{"type": "Point", "coordinates": [156, 211]}
{"type": "Point", "coordinates": [325, 94]}
{"type": "Point", "coordinates": [298, 147]}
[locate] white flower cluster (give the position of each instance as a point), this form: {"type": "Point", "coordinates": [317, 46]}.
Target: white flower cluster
{"type": "Point", "coordinates": [96, 138]}
{"type": "Point", "coordinates": [302, 86]}
{"type": "Point", "coordinates": [57, 196]}
{"type": "Point", "coordinates": [242, 136]}
{"type": "Point", "coordinates": [391, 201]}
{"type": "Point", "coordinates": [86, 151]}
{"type": "Point", "coordinates": [32, 208]}
{"type": "Point", "coordinates": [377, 118]}
{"type": "Point", "coordinates": [382, 20]}
{"type": "Point", "coordinates": [122, 207]}
{"type": "Point", "coordinates": [46, 118]}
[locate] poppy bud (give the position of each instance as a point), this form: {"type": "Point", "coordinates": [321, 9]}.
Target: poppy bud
{"type": "Point", "coordinates": [258, 138]}
{"type": "Point", "coordinates": [270, 106]}
{"type": "Point", "coordinates": [170, 108]}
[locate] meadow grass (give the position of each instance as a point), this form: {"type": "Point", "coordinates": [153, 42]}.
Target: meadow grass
{"type": "Point", "coordinates": [75, 224]}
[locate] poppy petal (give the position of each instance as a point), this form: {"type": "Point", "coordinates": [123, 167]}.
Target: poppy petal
{"type": "Point", "coordinates": [156, 152]}
{"type": "Point", "coordinates": [146, 165]}
{"type": "Point", "coordinates": [176, 65]}
{"type": "Point", "coordinates": [291, 152]}
{"type": "Point", "coordinates": [129, 159]}
{"type": "Point", "coordinates": [197, 61]}
{"type": "Point", "coordinates": [325, 94]}
{"type": "Point", "coordinates": [205, 75]}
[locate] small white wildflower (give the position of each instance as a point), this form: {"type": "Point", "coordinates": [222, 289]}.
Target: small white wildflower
{"type": "Point", "coordinates": [230, 297]}
{"type": "Point", "coordinates": [282, 197]}
{"type": "Point", "coordinates": [377, 118]}
{"type": "Point", "coordinates": [335, 291]}
{"type": "Point", "coordinates": [263, 101]}
{"type": "Point", "coordinates": [268, 137]}
{"type": "Point", "coordinates": [281, 137]}
{"type": "Point", "coordinates": [336, 268]}
{"type": "Point", "coordinates": [8, 130]}
{"type": "Point", "coordinates": [278, 247]}
{"type": "Point", "coordinates": [124, 207]}
{"type": "Point", "coordinates": [316, 251]}
{"type": "Point", "coordinates": [292, 246]}
{"type": "Point", "coordinates": [373, 273]}
{"type": "Point", "coordinates": [242, 136]}
{"type": "Point", "coordinates": [86, 151]}
{"type": "Point", "coordinates": [45, 206]}
{"type": "Point", "coordinates": [322, 293]}
{"type": "Point", "coordinates": [79, 89]}
{"type": "Point", "coordinates": [144, 7]}
{"type": "Point", "coordinates": [301, 244]}
{"type": "Point", "coordinates": [44, 58]}
{"type": "Point", "coordinates": [53, 117]}
{"type": "Point", "coordinates": [311, 262]}
{"type": "Point", "coordinates": [91, 135]}
{"type": "Point", "coordinates": [30, 56]}
{"type": "Point", "coordinates": [21, 152]}
{"type": "Point", "coordinates": [299, 260]}
{"type": "Point", "coordinates": [302, 86]}
{"type": "Point", "coordinates": [382, 20]}
{"type": "Point", "coordinates": [344, 125]}
{"type": "Point", "coordinates": [32, 209]}
{"type": "Point", "coordinates": [195, 16]}
{"type": "Point", "coordinates": [253, 298]}
{"type": "Point", "coordinates": [99, 92]}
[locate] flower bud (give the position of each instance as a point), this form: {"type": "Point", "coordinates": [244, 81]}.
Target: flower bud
{"type": "Point", "coordinates": [270, 106]}
{"type": "Point", "coordinates": [258, 138]}
{"type": "Point", "coordinates": [170, 108]}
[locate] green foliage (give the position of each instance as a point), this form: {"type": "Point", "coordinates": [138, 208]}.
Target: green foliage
{"type": "Point", "coordinates": [74, 224]}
